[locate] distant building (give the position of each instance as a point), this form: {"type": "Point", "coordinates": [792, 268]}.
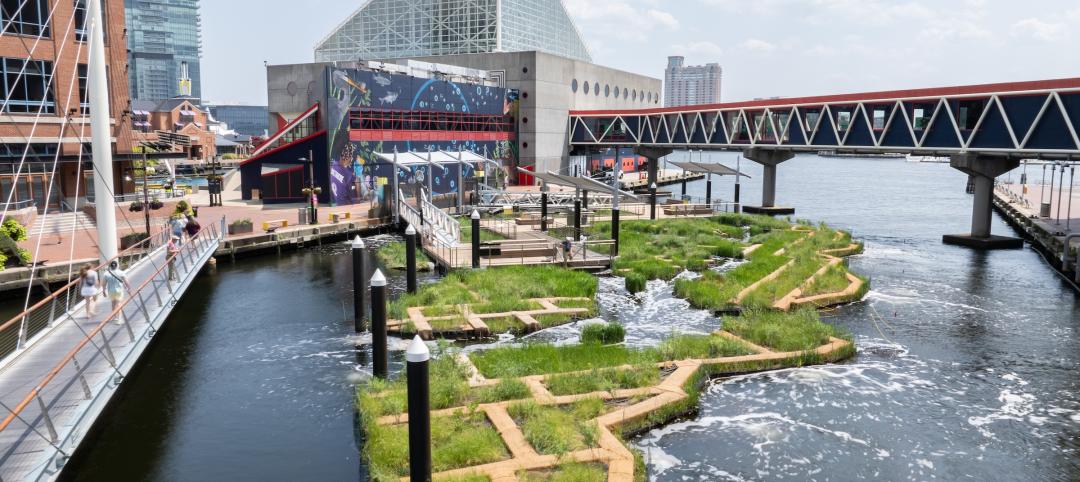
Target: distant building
{"type": "Point", "coordinates": [164, 39]}
{"type": "Point", "coordinates": [383, 29]}
{"type": "Point", "coordinates": [178, 122]}
{"type": "Point", "coordinates": [250, 120]}
{"type": "Point", "coordinates": [691, 85]}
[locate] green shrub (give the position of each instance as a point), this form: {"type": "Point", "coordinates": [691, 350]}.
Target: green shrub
{"type": "Point", "coordinates": [635, 282]}
{"type": "Point", "coordinates": [14, 230]}
{"type": "Point", "coordinates": [603, 333]}
{"type": "Point", "coordinates": [241, 222]}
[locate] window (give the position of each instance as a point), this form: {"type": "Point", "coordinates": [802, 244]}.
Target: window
{"type": "Point", "coordinates": [586, 87]}
{"type": "Point", "coordinates": [879, 119]}
{"type": "Point", "coordinates": [607, 90]}
{"type": "Point", "coordinates": [25, 17]}
{"type": "Point", "coordinates": [617, 92]}
{"type": "Point", "coordinates": [573, 86]}
{"type": "Point", "coordinates": [30, 92]}
{"type": "Point", "coordinates": [84, 101]}
{"type": "Point", "coordinates": [80, 20]}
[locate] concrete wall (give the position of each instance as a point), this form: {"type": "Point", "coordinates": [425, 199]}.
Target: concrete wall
{"type": "Point", "coordinates": [292, 89]}
{"type": "Point", "coordinates": [545, 82]}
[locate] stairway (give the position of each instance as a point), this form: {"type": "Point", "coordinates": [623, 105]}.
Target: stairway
{"type": "Point", "coordinates": [61, 223]}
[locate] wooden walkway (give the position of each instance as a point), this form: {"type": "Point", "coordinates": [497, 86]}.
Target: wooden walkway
{"type": "Point", "coordinates": [53, 387]}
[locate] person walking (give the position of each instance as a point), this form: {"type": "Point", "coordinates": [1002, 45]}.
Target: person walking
{"type": "Point", "coordinates": [88, 287]}
{"type": "Point", "coordinates": [115, 284]}
{"type": "Point", "coordinates": [177, 224]}
{"type": "Point", "coordinates": [172, 250]}
{"type": "Point", "coordinates": [192, 227]}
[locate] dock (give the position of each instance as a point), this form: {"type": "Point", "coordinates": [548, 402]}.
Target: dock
{"type": "Point", "coordinates": [1022, 209]}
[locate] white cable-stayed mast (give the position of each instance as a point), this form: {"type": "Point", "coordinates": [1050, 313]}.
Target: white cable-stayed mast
{"type": "Point", "coordinates": [101, 132]}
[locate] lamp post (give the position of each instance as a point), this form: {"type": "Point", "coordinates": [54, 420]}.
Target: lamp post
{"type": "Point", "coordinates": [311, 191]}
{"type": "Point", "coordinates": [145, 190]}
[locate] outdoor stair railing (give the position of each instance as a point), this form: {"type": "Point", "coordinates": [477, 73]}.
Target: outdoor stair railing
{"type": "Point", "coordinates": [434, 224]}
{"type": "Point", "coordinates": [42, 428]}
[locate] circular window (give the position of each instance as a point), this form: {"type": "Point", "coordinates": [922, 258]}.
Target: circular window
{"type": "Point", "coordinates": [291, 88]}
{"type": "Point", "coordinates": [596, 89]}
{"type": "Point", "coordinates": [524, 95]}
{"type": "Point", "coordinates": [625, 93]}
{"type": "Point", "coordinates": [524, 70]}
{"type": "Point", "coordinates": [586, 87]}
{"type": "Point", "coordinates": [634, 96]}
{"type": "Point", "coordinates": [655, 98]}
{"type": "Point", "coordinates": [524, 120]}
{"type": "Point", "coordinates": [524, 145]}
{"type": "Point", "coordinates": [641, 95]}
{"type": "Point", "coordinates": [607, 91]}
{"type": "Point", "coordinates": [573, 86]}
{"type": "Point", "coordinates": [617, 92]}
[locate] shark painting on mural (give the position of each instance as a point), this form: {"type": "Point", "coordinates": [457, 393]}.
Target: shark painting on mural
{"type": "Point", "coordinates": [389, 98]}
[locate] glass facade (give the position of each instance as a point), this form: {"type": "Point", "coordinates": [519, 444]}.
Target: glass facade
{"type": "Point", "coordinates": [384, 29]}
{"type": "Point", "coordinates": [248, 120]}
{"type": "Point", "coordinates": [162, 35]}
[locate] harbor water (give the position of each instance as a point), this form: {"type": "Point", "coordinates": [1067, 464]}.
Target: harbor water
{"type": "Point", "coordinates": [966, 364]}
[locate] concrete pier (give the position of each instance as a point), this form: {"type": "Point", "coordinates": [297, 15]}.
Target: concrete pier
{"type": "Point", "coordinates": [769, 159]}
{"type": "Point", "coordinates": [983, 170]}
{"type": "Point", "coordinates": [1048, 235]}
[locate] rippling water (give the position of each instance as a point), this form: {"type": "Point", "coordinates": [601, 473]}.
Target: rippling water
{"type": "Point", "coordinates": [966, 367]}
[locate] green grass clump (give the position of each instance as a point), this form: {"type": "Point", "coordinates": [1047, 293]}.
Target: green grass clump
{"type": "Point", "coordinates": [603, 333]}
{"type": "Point", "coordinates": [834, 280]}
{"type": "Point", "coordinates": [467, 478]}
{"type": "Point", "coordinates": [685, 347]}
{"type": "Point", "coordinates": [559, 430]}
{"type": "Point", "coordinates": [635, 282]}
{"type": "Point", "coordinates": [457, 441]}
{"type": "Point", "coordinates": [603, 380]}
{"type": "Point", "coordinates": [506, 389]}
{"type": "Point", "coordinates": [799, 330]}
{"type": "Point", "coordinates": [542, 358]}
{"type": "Point", "coordinates": [573, 472]}
{"type": "Point", "coordinates": [392, 256]}
{"type": "Point", "coordinates": [499, 290]}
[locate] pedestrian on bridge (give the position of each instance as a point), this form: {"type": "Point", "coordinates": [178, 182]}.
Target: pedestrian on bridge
{"type": "Point", "coordinates": [192, 227]}
{"type": "Point", "coordinates": [172, 250]}
{"type": "Point", "coordinates": [115, 284]}
{"type": "Point", "coordinates": [88, 287]}
{"type": "Point", "coordinates": [178, 224]}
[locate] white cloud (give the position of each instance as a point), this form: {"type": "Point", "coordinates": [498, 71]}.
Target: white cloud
{"type": "Point", "coordinates": [628, 20]}
{"type": "Point", "coordinates": [757, 45]}
{"type": "Point", "coordinates": [1038, 29]}
{"type": "Point", "coordinates": [705, 48]}
{"type": "Point", "coordinates": [664, 18]}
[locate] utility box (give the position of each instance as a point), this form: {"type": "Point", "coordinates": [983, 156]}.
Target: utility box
{"type": "Point", "coordinates": [1044, 210]}
{"type": "Point", "coordinates": [302, 216]}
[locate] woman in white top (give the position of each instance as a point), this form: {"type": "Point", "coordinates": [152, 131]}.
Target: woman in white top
{"type": "Point", "coordinates": [89, 289]}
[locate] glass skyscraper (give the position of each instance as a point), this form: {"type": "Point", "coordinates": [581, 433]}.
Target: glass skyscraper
{"type": "Point", "coordinates": [163, 35]}
{"type": "Point", "coordinates": [384, 29]}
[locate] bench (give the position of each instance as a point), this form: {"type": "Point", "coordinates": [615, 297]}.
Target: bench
{"type": "Point", "coordinates": [274, 225]}
{"type": "Point", "coordinates": [337, 217]}
{"type": "Point", "coordinates": [687, 210]}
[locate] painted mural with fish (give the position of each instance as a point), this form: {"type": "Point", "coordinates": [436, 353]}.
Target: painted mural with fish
{"type": "Point", "coordinates": [354, 171]}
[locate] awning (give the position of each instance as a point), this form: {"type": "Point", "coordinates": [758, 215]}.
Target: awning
{"type": "Point", "coordinates": [707, 168]}
{"type": "Point", "coordinates": [582, 183]}
{"type": "Point", "coordinates": [438, 158]}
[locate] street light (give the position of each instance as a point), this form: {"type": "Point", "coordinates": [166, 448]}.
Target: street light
{"type": "Point", "coordinates": [311, 190]}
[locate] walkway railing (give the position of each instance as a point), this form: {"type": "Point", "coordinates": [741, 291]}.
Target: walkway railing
{"type": "Point", "coordinates": [21, 330]}
{"type": "Point", "coordinates": [53, 390]}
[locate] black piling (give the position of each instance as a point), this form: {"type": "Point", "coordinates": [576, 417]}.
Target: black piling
{"type": "Point", "coordinates": [378, 325]}
{"type": "Point", "coordinates": [475, 239]}
{"type": "Point", "coordinates": [577, 220]}
{"type": "Point", "coordinates": [543, 212]}
{"type": "Point", "coordinates": [410, 259]}
{"type": "Point", "coordinates": [416, 369]}
{"type": "Point", "coordinates": [359, 277]}
{"type": "Point", "coordinates": [652, 201]}
{"type": "Point", "coordinates": [615, 230]}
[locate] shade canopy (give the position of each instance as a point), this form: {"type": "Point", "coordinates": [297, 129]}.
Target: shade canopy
{"type": "Point", "coordinates": [438, 158]}
{"type": "Point", "coordinates": [707, 168]}
{"type": "Point", "coordinates": [583, 183]}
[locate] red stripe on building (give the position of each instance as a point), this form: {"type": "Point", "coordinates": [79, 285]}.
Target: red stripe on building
{"type": "Point", "coordinates": [434, 136]}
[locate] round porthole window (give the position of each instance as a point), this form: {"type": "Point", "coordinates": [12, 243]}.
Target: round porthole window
{"type": "Point", "coordinates": [634, 98]}
{"type": "Point", "coordinates": [573, 86]}
{"type": "Point", "coordinates": [524, 120]}
{"type": "Point", "coordinates": [586, 87]}
{"type": "Point", "coordinates": [607, 91]}
{"type": "Point", "coordinates": [524, 145]}
{"type": "Point", "coordinates": [625, 93]}
{"type": "Point", "coordinates": [524, 70]}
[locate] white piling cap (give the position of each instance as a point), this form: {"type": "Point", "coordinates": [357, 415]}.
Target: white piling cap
{"type": "Point", "coordinates": [358, 243]}
{"type": "Point", "coordinates": [475, 214]}
{"type": "Point", "coordinates": [652, 186]}
{"type": "Point", "coordinates": [418, 351]}
{"type": "Point", "coordinates": [378, 279]}
{"type": "Point", "coordinates": [410, 231]}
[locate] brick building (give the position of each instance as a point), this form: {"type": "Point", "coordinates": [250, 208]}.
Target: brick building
{"type": "Point", "coordinates": [179, 121]}
{"type": "Point", "coordinates": [47, 114]}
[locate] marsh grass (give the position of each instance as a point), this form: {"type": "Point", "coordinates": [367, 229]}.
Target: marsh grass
{"type": "Point", "coordinates": [457, 441]}
{"type": "Point", "coordinates": [556, 430]}
{"type": "Point", "coordinates": [603, 333]}
{"type": "Point", "coordinates": [604, 380]}
{"type": "Point", "coordinates": [392, 256]}
{"type": "Point", "coordinates": [571, 472]}
{"type": "Point", "coordinates": [834, 280]}
{"type": "Point", "coordinates": [684, 347]}
{"type": "Point", "coordinates": [799, 330]}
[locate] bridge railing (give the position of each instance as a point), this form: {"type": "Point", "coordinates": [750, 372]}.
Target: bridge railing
{"type": "Point", "coordinates": [22, 329]}
{"type": "Point", "coordinates": [50, 411]}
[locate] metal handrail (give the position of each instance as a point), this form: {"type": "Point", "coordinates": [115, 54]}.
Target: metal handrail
{"type": "Point", "coordinates": [34, 313]}
{"type": "Point", "coordinates": [88, 339]}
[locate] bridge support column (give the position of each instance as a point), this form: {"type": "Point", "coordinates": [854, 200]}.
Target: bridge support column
{"type": "Point", "coordinates": [653, 154]}
{"type": "Point", "coordinates": [769, 159]}
{"type": "Point", "coordinates": [983, 170]}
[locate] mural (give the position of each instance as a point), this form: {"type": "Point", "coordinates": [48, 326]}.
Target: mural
{"type": "Point", "coordinates": [354, 171]}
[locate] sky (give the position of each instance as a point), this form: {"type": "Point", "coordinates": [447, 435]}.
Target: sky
{"type": "Point", "coordinates": [767, 47]}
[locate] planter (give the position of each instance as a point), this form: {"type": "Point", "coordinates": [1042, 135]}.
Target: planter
{"type": "Point", "coordinates": [235, 229]}
{"type": "Point", "coordinates": [135, 208]}
{"type": "Point", "coordinates": [155, 205]}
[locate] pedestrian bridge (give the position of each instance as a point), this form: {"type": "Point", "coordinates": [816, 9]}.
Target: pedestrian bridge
{"type": "Point", "coordinates": [984, 129]}
{"type": "Point", "coordinates": [60, 369]}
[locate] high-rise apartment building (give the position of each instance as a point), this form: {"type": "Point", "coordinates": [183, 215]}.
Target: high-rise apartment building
{"type": "Point", "coordinates": [384, 29]}
{"type": "Point", "coordinates": [691, 85]}
{"type": "Point", "coordinates": [163, 37]}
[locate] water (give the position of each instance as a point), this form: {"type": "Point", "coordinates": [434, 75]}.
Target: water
{"type": "Point", "coordinates": [966, 364]}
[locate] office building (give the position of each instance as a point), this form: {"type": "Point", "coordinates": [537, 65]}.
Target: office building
{"type": "Point", "coordinates": [42, 89]}
{"type": "Point", "coordinates": [383, 29]}
{"type": "Point", "coordinates": [164, 40]}
{"type": "Point", "coordinates": [249, 120]}
{"type": "Point", "coordinates": [691, 85]}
